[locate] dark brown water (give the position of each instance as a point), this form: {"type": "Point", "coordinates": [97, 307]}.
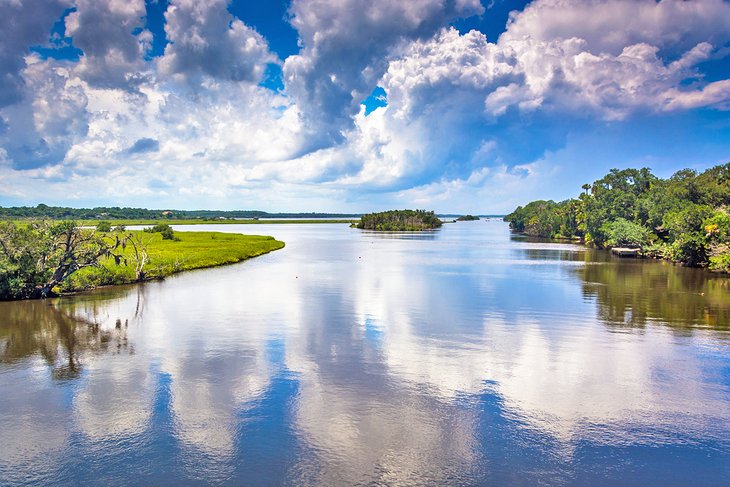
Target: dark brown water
{"type": "Point", "coordinates": [461, 357]}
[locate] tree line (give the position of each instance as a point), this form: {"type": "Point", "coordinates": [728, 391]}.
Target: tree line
{"type": "Point", "coordinates": [685, 218]}
{"type": "Point", "coordinates": [43, 211]}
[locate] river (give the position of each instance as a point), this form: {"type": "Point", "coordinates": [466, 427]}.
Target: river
{"type": "Point", "coordinates": [466, 356]}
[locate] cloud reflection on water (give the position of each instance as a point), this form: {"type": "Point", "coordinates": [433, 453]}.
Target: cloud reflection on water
{"type": "Point", "coordinates": [371, 360]}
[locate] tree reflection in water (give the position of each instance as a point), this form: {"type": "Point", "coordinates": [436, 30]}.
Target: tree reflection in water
{"type": "Point", "coordinates": [635, 293]}
{"type": "Point", "coordinates": [63, 333]}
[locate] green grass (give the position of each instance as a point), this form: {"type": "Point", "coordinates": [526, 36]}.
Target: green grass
{"type": "Point", "coordinates": [192, 250]}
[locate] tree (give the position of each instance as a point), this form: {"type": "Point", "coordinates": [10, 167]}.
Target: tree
{"type": "Point", "coordinates": [103, 226]}
{"type": "Point", "coordinates": [623, 233]}
{"type": "Point", "coordinates": [73, 249]}
{"type": "Point", "coordinates": [164, 229]}
{"type": "Point", "coordinates": [139, 253]}
{"type": "Point", "coordinates": [38, 256]}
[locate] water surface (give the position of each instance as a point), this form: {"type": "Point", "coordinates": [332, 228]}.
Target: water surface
{"type": "Point", "coordinates": [465, 356]}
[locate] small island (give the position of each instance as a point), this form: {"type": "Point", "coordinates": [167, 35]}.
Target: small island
{"type": "Point", "coordinates": [467, 218]}
{"type": "Point", "coordinates": [399, 221]}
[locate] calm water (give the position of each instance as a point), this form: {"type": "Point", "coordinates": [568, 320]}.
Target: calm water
{"type": "Point", "coordinates": [461, 357]}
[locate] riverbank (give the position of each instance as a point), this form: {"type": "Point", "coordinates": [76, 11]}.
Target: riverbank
{"type": "Point", "coordinates": [189, 250]}
{"type": "Point", "coordinates": [681, 219]}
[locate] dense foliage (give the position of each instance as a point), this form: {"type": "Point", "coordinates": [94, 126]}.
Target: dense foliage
{"type": "Point", "coordinates": [685, 218]}
{"type": "Point", "coordinates": [467, 218]}
{"type": "Point", "coordinates": [400, 221]}
{"type": "Point", "coordinates": [38, 256]}
{"type": "Point", "coordinates": [116, 213]}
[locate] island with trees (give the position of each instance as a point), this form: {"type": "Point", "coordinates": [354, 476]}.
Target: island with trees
{"type": "Point", "coordinates": [467, 218]}
{"type": "Point", "coordinates": [399, 221]}
{"type": "Point", "coordinates": [684, 219]}
{"type": "Point", "coordinates": [43, 258]}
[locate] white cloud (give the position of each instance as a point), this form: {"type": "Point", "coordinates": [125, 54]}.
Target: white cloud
{"type": "Point", "coordinates": [611, 26]}
{"type": "Point", "coordinates": [558, 74]}
{"type": "Point", "coordinates": [49, 120]}
{"type": "Point", "coordinates": [207, 40]}
{"type": "Point", "coordinates": [103, 30]}
{"type": "Point", "coordinates": [346, 49]}
{"type": "Point", "coordinates": [456, 102]}
{"type": "Point", "coordinates": [23, 24]}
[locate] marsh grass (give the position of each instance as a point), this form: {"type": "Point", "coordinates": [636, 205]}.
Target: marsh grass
{"type": "Point", "coordinates": [192, 250]}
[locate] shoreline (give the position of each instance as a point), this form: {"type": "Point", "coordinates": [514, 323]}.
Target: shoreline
{"type": "Point", "coordinates": [191, 251]}
{"type": "Point", "coordinates": [639, 255]}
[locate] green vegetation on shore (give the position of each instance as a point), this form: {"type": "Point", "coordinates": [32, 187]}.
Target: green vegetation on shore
{"type": "Point", "coordinates": [116, 213]}
{"type": "Point", "coordinates": [399, 221]}
{"type": "Point", "coordinates": [467, 218]}
{"type": "Point", "coordinates": [42, 258]}
{"type": "Point", "coordinates": [188, 251]}
{"type": "Point", "coordinates": [685, 218]}
{"type": "Point", "coordinates": [217, 221]}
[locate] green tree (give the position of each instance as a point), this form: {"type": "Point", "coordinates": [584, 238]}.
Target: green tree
{"type": "Point", "coordinates": [623, 233]}
{"type": "Point", "coordinates": [103, 226]}
{"type": "Point", "coordinates": [38, 256]}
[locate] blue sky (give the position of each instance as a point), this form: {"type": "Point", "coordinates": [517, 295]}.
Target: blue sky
{"type": "Point", "coordinates": [348, 106]}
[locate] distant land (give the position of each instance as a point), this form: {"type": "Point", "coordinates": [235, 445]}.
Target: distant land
{"type": "Point", "coordinates": [126, 213]}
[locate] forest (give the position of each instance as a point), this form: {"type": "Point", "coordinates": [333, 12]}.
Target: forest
{"type": "Point", "coordinates": [685, 218]}
{"type": "Point", "coordinates": [399, 221]}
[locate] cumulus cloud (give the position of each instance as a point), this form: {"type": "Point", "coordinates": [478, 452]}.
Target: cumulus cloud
{"type": "Point", "coordinates": [346, 46]}
{"type": "Point", "coordinates": [561, 73]}
{"type": "Point", "coordinates": [205, 39]}
{"type": "Point", "coordinates": [431, 138]}
{"type": "Point", "coordinates": [50, 119]}
{"type": "Point", "coordinates": [103, 30]}
{"type": "Point", "coordinates": [458, 104]}
{"type": "Point", "coordinates": [23, 24]}
{"type": "Point", "coordinates": [611, 26]}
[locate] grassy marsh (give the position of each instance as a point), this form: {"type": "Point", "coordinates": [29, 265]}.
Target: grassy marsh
{"type": "Point", "coordinates": [190, 250]}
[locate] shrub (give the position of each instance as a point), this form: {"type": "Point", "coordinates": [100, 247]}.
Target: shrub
{"type": "Point", "coordinates": [168, 234]}
{"type": "Point", "coordinates": [623, 233]}
{"type": "Point", "coordinates": [165, 229]}
{"type": "Point", "coordinates": [104, 226]}
{"type": "Point", "coordinates": [689, 248]}
{"type": "Point", "coordinates": [720, 263]}
{"type": "Point", "coordinates": [657, 250]}
{"type": "Point", "coordinates": [717, 227]}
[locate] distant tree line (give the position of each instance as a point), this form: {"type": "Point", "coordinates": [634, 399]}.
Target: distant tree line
{"type": "Point", "coordinates": [685, 218]}
{"type": "Point", "coordinates": [43, 211]}
{"type": "Point", "coordinates": [400, 221]}
{"type": "Point", "coordinates": [467, 218]}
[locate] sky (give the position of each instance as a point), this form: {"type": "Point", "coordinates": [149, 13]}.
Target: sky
{"type": "Point", "coordinates": [459, 106]}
